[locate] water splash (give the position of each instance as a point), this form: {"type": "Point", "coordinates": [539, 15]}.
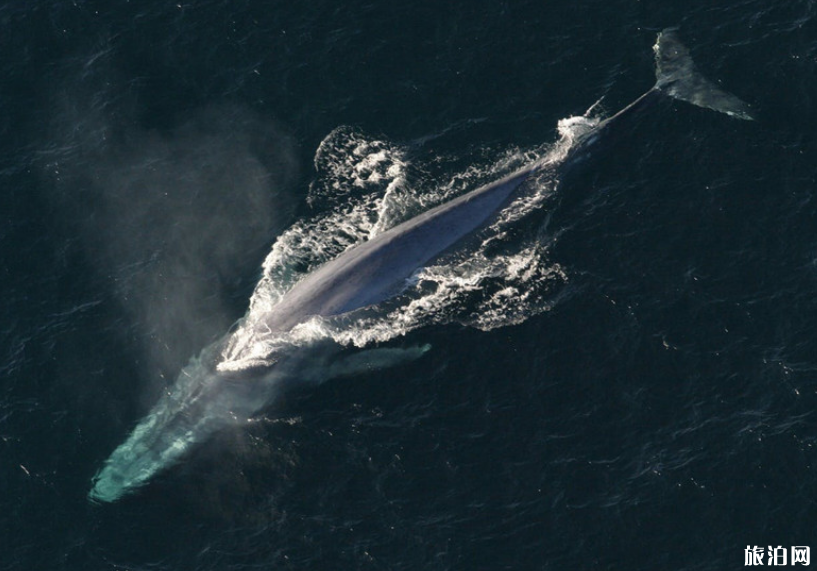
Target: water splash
{"type": "Point", "coordinates": [366, 185]}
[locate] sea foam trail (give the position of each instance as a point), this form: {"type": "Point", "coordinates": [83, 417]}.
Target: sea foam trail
{"type": "Point", "coordinates": [370, 185]}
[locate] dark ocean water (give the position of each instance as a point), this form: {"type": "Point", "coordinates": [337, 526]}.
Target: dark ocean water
{"type": "Point", "coordinates": [656, 412]}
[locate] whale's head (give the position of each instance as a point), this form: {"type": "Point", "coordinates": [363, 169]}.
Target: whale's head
{"type": "Point", "coordinates": [201, 402]}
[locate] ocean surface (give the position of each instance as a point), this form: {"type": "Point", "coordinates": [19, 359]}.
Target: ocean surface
{"type": "Point", "coordinates": [619, 373]}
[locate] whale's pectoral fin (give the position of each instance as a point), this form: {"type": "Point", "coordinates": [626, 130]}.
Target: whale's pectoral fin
{"type": "Point", "coordinates": [678, 77]}
{"type": "Point", "coordinates": [374, 360]}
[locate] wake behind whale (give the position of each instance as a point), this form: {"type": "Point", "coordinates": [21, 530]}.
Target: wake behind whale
{"type": "Point", "coordinates": [383, 264]}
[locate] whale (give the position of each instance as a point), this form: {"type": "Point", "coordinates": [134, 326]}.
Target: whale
{"type": "Point", "coordinates": [208, 395]}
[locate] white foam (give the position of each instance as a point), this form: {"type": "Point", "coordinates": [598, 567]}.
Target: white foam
{"type": "Point", "coordinates": [362, 188]}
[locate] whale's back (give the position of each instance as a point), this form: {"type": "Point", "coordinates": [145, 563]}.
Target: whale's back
{"type": "Point", "coordinates": [376, 270]}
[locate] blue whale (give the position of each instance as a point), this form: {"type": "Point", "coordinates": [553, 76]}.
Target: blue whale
{"type": "Point", "coordinates": [206, 398]}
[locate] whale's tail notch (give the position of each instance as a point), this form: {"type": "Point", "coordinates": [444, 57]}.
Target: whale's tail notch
{"type": "Point", "coordinates": [678, 77]}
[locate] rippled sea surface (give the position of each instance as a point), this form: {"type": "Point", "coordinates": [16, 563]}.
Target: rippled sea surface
{"type": "Point", "coordinates": [622, 371]}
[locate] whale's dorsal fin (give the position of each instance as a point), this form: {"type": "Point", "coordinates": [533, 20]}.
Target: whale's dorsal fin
{"type": "Point", "coordinates": [678, 77]}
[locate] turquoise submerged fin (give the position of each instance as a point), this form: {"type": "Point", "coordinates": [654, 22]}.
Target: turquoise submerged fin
{"type": "Point", "coordinates": [678, 77]}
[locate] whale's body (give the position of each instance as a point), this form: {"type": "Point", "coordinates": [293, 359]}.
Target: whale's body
{"type": "Point", "coordinates": [376, 269]}
{"type": "Point", "coordinates": [205, 398]}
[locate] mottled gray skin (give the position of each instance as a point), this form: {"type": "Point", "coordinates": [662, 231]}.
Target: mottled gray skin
{"type": "Point", "coordinates": [378, 269]}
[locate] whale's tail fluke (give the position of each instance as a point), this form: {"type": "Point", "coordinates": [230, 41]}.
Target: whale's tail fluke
{"type": "Point", "coordinates": [677, 76]}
